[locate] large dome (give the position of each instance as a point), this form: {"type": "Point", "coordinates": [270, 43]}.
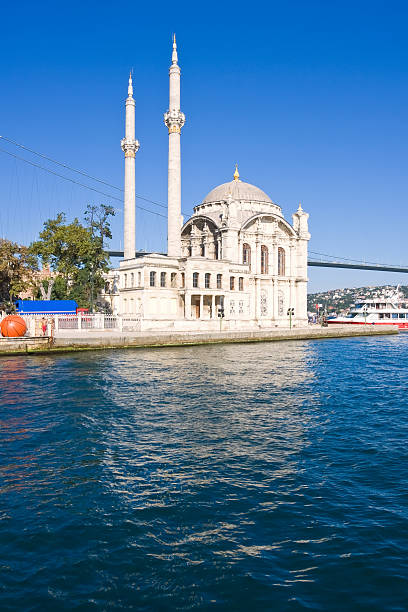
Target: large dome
{"type": "Point", "coordinates": [238, 190]}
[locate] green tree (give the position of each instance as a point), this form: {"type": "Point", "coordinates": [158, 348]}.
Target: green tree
{"type": "Point", "coordinates": [76, 252]}
{"type": "Point", "coordinates": [97, 219]}
{"type": "Point", "coordinates": [17, 267]}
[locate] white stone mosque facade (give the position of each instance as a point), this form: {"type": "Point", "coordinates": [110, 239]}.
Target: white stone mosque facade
{"type": "Point", "coordinates": [237, 263]}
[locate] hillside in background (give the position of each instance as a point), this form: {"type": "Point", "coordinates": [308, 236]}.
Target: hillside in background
{"type": "Point", "coordinates": [338, 300]}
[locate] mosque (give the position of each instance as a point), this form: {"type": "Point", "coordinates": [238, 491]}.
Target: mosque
{"type": "Point", "coordinates": [236, 263]}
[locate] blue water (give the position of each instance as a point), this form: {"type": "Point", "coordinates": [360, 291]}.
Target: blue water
{"type": "Point", "coordinates": [238, 477]}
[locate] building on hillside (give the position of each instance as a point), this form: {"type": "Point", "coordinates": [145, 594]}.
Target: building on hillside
{"type": "Point", "coordinates": [236, 258]}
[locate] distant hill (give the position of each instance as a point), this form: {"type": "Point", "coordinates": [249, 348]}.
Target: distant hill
{"type": "Point", "coordinates": [338, 300]}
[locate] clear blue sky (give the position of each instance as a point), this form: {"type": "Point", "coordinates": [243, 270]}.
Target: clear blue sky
{"type": "Point", "coordinates": [310, 98]}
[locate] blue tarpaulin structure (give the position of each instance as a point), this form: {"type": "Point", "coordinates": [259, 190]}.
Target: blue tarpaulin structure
{"type": "Point", "coordinates": [46, 307]}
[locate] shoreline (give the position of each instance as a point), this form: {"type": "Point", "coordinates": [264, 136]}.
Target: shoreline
{"type": "Point", "coordinates": [102, 341]}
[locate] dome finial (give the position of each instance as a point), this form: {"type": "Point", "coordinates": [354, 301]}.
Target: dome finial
{"type": "Point", "coordinates": [300, 209]}
{"type": "Point", "coordinates": [236, 173]}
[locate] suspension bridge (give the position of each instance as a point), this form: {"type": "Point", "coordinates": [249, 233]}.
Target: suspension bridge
{"type": "Point", "coordinates": [316, 259]}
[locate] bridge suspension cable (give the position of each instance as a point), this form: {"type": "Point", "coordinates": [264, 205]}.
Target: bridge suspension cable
{"type": "Point", "coordinates": [81, 172]}
{"type": "Point", "coordinates": [66, 178]}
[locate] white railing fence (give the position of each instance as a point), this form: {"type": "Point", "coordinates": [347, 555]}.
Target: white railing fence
{"type": "Point", "coordinates": [81, 322]}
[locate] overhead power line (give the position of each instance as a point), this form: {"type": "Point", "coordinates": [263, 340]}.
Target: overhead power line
{"type": "Point", "coordinates": [77, 182]}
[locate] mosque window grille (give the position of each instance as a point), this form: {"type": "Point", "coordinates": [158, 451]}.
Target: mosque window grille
{"type": "Point", "coordinates": [264, 259]}
{"type": "Point", "coordinates": [232, 283]}
{"type": "Point", "coordinates": [207, 279]}
{"type": "Point", "coordinates": [173, 279]}
{"type": "Point", "coordinates": [195, 280]}
{"type": "Point", "coordinates": [281, 261]}
{"type": "Point", "coordinates": [162, 279]}
{"type": "Point", "coordinates": [246, 254]}
{"type": "Point", "coordinates": [219, 281]}
{"type": "Point", "coordinates": [241, 283]}
{"type": "Point", "coordinates": [152, 279]}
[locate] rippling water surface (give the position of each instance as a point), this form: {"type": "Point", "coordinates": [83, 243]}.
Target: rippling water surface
{"type": "Point", "coordinates": [238, 477]}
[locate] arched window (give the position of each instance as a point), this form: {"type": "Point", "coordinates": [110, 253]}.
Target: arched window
{"type": "Point", "coordinates": [125, 283]}
{"type": "Point", "coordinates": [139, 279]}
{"type": "Point", "coordinates": [246, 254]}
{"type": "Point", "coordinates": [264, 259]}
{"type": "Point", "coordinates": [152, 279]}
{"type": "Point", "coordinates": [132, 279]}
{"type": "Point", "coordinates": [195, 279]}
{"type": "Point", "coordinates": [241, 283]}
{"type": "Point", "coordinates": [281, 261]}
{"type": "Point", "coordinates": [207, 280]}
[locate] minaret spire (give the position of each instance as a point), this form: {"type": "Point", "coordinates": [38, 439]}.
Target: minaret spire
{"type": "Point", "coordinates": [130, 147]}
{"type": "Point", "coordinates": [174, 120]}
{"type": "Point", "coordinates": [174, 58]}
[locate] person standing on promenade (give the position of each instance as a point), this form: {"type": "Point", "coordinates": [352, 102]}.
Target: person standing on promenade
{"type": "Point", "coordinates": [44, 326]}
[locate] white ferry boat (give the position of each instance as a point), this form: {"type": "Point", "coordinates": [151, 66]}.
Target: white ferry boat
{"type": "Point", "coordinates": [375, 312]}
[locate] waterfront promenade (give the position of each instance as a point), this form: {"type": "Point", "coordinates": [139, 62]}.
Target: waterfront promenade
{"type": "Point", "coordinates": [74, 340]}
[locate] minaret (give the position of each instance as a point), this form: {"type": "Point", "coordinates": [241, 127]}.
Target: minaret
{"type": "Point", "coordinates": [130, 147]}
{"type": "Point", "coordinates": [174, 120]}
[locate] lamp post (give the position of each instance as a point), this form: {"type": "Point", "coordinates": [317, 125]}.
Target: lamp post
{"type": "Point", "coordinates": [291, 312]}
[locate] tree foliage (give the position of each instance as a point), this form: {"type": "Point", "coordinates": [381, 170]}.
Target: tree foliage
{"type": "Point", "coordinates": [76, 253]}
{"type": "Point", "coordinates": [17, 266]}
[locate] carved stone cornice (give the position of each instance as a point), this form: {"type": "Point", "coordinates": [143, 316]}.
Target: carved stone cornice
{"type": "Point", "coordinates": [174, 121]}
{"type": "Point", "coordinates": [129, 147]}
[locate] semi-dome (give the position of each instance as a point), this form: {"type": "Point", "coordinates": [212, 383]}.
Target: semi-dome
{"type": "Point", "coordinates": [237, 190]}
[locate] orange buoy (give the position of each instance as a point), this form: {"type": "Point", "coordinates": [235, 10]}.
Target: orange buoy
{"type": "Point", "coordinates": [13, 326]}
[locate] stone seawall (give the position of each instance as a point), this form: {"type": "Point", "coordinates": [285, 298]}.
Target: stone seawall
{"type": "Point", "coordinates": [105, 340]}
{"type": "Point", "coordinates": [24, 344]}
